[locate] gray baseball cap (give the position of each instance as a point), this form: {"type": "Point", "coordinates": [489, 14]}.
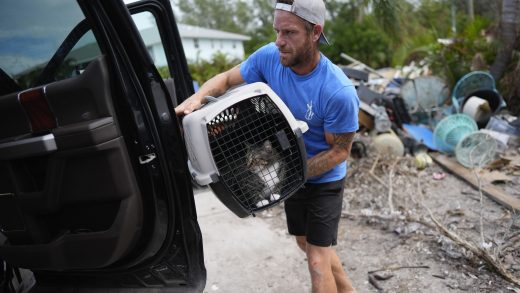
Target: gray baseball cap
{"type": "Point", "coordinates": [312, 11]}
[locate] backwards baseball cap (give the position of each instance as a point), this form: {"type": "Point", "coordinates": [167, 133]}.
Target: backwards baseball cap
{"type": "Point", "coordinates": [312, 11]}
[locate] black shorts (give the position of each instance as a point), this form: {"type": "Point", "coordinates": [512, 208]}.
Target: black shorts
{"type": "Point", "coordinates": [314, 211]}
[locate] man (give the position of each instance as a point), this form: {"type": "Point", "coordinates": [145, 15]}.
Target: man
{"type": "Point", "coordinates": [317, 92]}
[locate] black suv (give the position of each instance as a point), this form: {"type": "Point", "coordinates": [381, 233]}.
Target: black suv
{"type": "Point", "coordinates": [95, 193]}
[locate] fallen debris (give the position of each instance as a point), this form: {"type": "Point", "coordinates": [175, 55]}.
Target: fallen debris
{"type": "Point", "coordinates": [476, 250]}
{"type": "Point", "coordinates": [491, 191]}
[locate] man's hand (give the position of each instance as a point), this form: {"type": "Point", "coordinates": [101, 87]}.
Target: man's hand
{"type": "Point", "coordinates": [189, 105]}
{"type": "Point", "coordinates": [215, 87]}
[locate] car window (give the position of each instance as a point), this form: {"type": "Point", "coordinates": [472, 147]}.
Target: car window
{"type": "Point", "coordinates": [83, 52]}
{"type": "Point", "coordinates": [147, 26]}
{"type": "Point", "coordinates": [31, 32]}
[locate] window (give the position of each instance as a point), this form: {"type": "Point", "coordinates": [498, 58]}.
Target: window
{"type": "Point", "coordinates": [84, 51]}
{"type": "Point", "coordinates": [31, 36]}
{"type": "Point", "coordinates": [151, 52]}
{"type": "Point", "coordinates": [147, 26]}
{"type": "Point", "coordinates": [196, 43]}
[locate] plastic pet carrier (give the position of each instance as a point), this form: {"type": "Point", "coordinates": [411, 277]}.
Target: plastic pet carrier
{"type": "Point", "coordinates": [248, 147]}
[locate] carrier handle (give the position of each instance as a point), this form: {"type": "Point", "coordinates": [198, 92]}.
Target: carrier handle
{"type": "Point", "coordinates": [211, 99]}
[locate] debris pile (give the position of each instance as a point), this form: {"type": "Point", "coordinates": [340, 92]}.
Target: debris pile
{"type": "Point", "coordinates": [465, 127]}
{"type": "Point", "coordinates": [407, 124]}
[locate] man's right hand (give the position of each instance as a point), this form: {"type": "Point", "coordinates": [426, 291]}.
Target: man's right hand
{"type": "Point", "coordinates": [189, 105]}
{"type": "Point", "coordinates": [215, 87]}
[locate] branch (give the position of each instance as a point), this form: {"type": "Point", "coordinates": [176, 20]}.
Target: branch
{"type": "Point", "coordinates": [476, 250]}
{"type": "Point", "coordinates": [390, 188]}
{"type": "Point", "coordinates": [371, 172]}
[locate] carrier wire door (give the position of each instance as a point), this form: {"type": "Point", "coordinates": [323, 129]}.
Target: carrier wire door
{"type": "Point", "coordinates": [248, 147]}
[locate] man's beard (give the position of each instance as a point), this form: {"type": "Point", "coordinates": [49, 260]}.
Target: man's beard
{"type": "Point", "coordinates": [300, 55]}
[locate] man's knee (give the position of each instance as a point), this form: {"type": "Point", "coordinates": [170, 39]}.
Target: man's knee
{"type": "Point", "coordinates": [302, 242]}
{"type": "Point", "coordinates": [318, 257]}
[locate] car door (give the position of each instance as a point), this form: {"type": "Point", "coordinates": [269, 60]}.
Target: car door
{"type": "Point", "coordinates": [94, 186]}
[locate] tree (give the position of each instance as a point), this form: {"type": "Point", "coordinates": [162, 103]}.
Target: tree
{"type": "Point", "coordinates": [365, 41]}
{"type": "Point", "coordinates": [509, 22]}
{"type": "Point", "coordinates": [364, 29]}
{"type": "Point", "coordinates": [262, 31]}
{"type": "Point", "coordinates": [232, 16]}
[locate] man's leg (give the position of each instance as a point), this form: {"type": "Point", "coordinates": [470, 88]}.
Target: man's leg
{"type": "Point", "coordinates": [320, 267]}
{"type": "Point", "coordinates": [340, 276]}
{"type": "Point", "coordinates": [343, 284]}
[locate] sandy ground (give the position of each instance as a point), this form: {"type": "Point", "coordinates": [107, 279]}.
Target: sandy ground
{"type": "Point", "coordinates": [256, 254]}
{"type": "Point", "coordinates": [247, 255]}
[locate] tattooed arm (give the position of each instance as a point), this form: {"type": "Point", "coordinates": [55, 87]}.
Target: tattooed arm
{"type": "Point", "coordinates": [215, 86]}
{"type": "Point", "coordinates": [340, 145]}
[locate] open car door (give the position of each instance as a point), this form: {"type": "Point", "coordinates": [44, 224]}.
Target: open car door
{"type": "Point", "coordinates": [95, 193]}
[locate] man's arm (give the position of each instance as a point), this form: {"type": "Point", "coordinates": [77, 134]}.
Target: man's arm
{"type": "Point", "coordinates": [340, 145]}
{"type": "Point", "coordinates": [215, 86]}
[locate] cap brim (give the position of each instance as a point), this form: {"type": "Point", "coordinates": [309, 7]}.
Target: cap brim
{"type": "Point", "coordinates": [323, 39]}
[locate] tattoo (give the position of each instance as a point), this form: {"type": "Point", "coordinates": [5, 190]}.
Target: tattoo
{"type": "Point", "coordinates": [318, 164]}
{"type": "Point", "coordinates": [326, 160]}
{"type": "Point", "coordinates": [344, 140]}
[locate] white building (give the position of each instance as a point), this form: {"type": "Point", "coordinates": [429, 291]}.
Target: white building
{"type": "Point", "coordinates": [203, 43]}
{"type": "Point", "coordinates": [199, 43]}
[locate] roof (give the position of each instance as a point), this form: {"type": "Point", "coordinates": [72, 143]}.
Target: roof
{"type": "Point", "coordinates": [195, 32]}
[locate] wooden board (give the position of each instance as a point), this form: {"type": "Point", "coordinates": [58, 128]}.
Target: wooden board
{"type": "Point", "coordinates": [493, 192]}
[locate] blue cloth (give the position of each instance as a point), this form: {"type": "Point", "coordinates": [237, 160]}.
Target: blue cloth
{"type": "Point", "coordinates": [325, 98]}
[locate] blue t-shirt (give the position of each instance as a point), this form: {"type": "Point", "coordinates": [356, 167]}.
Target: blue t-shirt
{"type": "Point", "coordinates": [325, 98]}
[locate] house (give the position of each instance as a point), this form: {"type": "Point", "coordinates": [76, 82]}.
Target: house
{"type": "Point", "coordinates": [203, 43]}
{"type": "Point", "coordinates": [199, 43]}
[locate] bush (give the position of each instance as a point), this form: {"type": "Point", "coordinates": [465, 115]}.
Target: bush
{"type": "Point", "coordinates": [453, 61]}
{"type": "Point", "coordinates": [202, 70]}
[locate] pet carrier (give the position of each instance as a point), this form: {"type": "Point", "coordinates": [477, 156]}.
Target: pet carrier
{"type": "Point", "coordinates": [248, 147]}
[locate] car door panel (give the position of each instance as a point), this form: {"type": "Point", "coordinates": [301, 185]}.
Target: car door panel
{"type": "Point", "coordinates": [11, 113]}
{"type": "Point", "coordinates": [82, 98]}
{"type": "Point", "coordinates": [103, 198]}
{"type": "Point", "coordinates": [75, 188]}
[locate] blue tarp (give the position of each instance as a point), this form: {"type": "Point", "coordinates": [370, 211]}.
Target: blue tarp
{"type": "Point", "coordinates": [421, 134]}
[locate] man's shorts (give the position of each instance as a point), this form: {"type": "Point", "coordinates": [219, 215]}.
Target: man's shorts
{"type": "Point", "coordinates": [314, 211]}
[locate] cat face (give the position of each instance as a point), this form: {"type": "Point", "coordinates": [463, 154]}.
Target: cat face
{"type": "Point", "coordinates": [259, 156]}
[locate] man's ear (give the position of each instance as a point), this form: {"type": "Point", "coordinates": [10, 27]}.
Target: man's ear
{"type": "Point", "coordinates": [316, 33]}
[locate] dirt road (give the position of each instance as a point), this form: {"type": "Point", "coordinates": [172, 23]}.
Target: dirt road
{"type": "Point", "coordinates": [247, 255]}
{"type": "Point", "coordinates": [256, 254]}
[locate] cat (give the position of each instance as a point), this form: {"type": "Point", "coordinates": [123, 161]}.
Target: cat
{"type": "Point", "coordinates": [265, 171]}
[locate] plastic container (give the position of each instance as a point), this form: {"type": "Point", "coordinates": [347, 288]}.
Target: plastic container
{"type": "Point", "coordinates": [451, 130]}
{"type": "Point", "coordinates": [476, 150]}
{"type": "Point", "coordinates": [501, 125]}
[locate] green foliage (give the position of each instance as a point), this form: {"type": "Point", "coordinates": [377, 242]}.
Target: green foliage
{"type": "Point", "coordinates": [386, 13]}
{"type": "Point", "coordinates": [202, 70]}
{"type": "Point", "coordinates": [164, 71]}
{"type": "Point", "coordinates": [379, 33]}
{"type": "Point", "coordinates": [263, 31]}
{"type": "Point", "coordinates": [434, 15]}
{"type": "Point", "coordinates": [364, 41]}
{"type": "Point", "coordinates": [454, 60]}
{"type": "Point", "coordinates": [232, 16]}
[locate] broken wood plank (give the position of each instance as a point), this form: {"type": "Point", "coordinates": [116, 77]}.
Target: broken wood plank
{"type": "Point", "coordinates": [493, 192]}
